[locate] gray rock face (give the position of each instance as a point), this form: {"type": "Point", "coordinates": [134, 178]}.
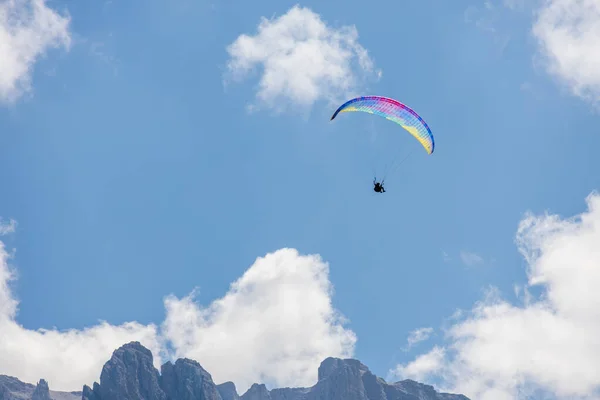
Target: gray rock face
{"type": "Point", "coordinates": [351, 380]}
{"type": "Point", "coordinates": [289, 393]}
{"type": "Point", "coordinates": [256, 392]}
{"type": "Point", "coordinates": [13, 389]}
{"type": "Point", "coordinates": [424, 392]}
{"type": "Point", "coordinates": [228, 391]}
{"type": "Point", "coordinates": [187, 380]}
{"type": "Point", "coordinates": [130, 375]}
{"type": "Point", "coordinates": [42, 391]}
{"type": "Point", "coordinates": [339, 379]}
{"type": "Point", "coordinates": [89, 394]}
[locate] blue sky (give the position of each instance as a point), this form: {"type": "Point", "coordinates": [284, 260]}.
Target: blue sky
{"type": "Point", "coordinates": [137, 165]}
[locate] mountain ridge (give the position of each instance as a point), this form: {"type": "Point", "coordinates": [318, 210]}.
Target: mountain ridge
{"type": "Point", "coordinates": [130, 375]}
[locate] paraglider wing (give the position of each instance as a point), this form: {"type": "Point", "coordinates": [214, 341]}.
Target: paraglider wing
{"type": "Point", "coordinates": [394, 111]}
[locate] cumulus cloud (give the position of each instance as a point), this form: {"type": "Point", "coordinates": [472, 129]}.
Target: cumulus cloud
{"type": "Point", "coordinates": [423, 366]}
{"type": "Point", "coordinates": [568, 33]}
{"type": "Point", "coordinates": [550, 342]}
{"type": "Point", "coordinates": [275, 325]}
{"type": "Point", "coordinates": [418, 336]}
{"type": "Point", "coordinates": [67, 359]}
{"type": "Point", "coordinates": [28, 29]}
{"type": "Point", "coordinates": [302, 59]}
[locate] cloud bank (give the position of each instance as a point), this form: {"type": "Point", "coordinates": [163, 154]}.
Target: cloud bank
{"type": "Point", "coordinates": [568, 34]}
{"type": "Point", "coordinates": [28, 29]}
{"type": "Point", "coordinates": [302, 60]}
{"type": "Point", "coordinates": [551, 342]}
{"type": "Point", "coordinates": [275, 325]}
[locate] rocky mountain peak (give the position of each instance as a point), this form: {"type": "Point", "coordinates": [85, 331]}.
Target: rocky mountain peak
{"type": "Point", "coordinates": [41, 391]}
{"type": "Point", "coordinates": [130, 375]}
{"type": "Point", "coordinates": [228, 391]}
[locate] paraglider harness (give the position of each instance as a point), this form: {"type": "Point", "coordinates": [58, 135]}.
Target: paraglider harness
{"type": "Point", "coordinates": [378, 187]}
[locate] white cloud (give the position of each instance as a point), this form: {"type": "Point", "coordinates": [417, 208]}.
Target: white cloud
{"type": "Point", "coordinates": [302, 59]}
{"type": "Point", "coordinates": [276, 324]}
{"type": "Point", "coordinates": [7, 227]}
{"type": "Point", "coordinates": [470, 259]}
{"type": "Point", "coordinates": [418, 336]}
{"type": "Point", "coordinates": [423, 366]}
{"type": "Point", "coordinates": [550, 342]}
{"type": "Point", "coordinates": [568, 33]}
{"type": "Point", "coordinates": [28, 29]}
{"type": "Point", "coordinates": [66, 359]}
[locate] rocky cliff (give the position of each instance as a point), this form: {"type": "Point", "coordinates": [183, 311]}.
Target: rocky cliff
{"type": "Point", "coordinates": [130, 375]}
{"type": "Point", "coordinates": [13, 389]}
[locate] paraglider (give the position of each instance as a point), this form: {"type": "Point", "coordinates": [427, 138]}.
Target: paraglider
{"type": "Point", "coordinates": [378, 187]}
{"type": "Point", "coordinates": [396, 112]}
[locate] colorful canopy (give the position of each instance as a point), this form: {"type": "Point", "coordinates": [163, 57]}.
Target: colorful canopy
{"type": "Point", "coordinates": [394, 111]}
